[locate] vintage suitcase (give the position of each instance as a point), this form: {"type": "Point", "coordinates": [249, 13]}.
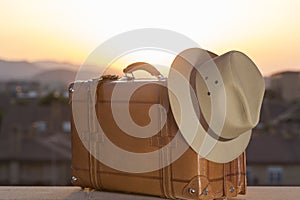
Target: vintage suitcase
{"type": "Point", "coordinates": [188, 177]}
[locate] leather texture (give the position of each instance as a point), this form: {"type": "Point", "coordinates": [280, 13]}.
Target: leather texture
{"type": "Point", "coordinates": [189, 177]}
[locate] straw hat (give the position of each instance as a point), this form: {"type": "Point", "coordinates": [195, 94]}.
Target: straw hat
{"type": "Point", "coordinates": [215, 101]}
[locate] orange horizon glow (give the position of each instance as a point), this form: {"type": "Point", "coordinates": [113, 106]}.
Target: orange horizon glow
{"type": "Point", "coordinates": [67, 31]}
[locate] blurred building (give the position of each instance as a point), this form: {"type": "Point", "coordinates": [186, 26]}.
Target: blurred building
{"type": "Point", "coordinates": [273, 155]}
{"type": "Point", "coordinates": [273, 160]}
{"type": "Point", "coordinates": [286, 85]}
{"type": "Point", "coordinates": [35, 142]}
{"type": "Point", "coordinates": [22, 89]}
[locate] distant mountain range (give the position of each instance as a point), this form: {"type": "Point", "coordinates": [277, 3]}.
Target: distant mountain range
{"type": "Point", "coordinates": [17, 70]}
{"type": "Point", "coordinates": [43, 72]}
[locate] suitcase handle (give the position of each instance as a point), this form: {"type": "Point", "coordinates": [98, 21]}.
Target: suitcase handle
{"type": "Point", "coordinates": [142, 66]}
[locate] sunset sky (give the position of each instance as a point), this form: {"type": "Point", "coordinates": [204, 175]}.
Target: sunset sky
{"type": "Point", "coordinates": [68, 31]}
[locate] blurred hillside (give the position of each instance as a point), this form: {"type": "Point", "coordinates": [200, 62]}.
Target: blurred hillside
{"type": "Point", "coordinates": [43, 72]}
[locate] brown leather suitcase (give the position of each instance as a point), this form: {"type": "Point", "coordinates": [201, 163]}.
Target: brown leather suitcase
{"type": "Point", "coordinates": [188, 177]}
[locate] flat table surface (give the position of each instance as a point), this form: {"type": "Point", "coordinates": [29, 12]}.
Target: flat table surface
{"type": "Point", "coordinates": [76, 193]}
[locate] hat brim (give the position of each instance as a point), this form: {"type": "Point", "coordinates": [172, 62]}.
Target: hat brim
{"type": "Point", "coordinates": [181, 94]}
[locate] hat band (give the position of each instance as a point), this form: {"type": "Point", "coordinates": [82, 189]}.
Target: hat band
{"type": "Point", "coordinates": [217, 137]}
{"type": "Point", "coordinates": [211, 132]}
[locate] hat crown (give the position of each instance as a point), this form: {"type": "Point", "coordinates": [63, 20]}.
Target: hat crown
{"type": "Point", "coordinates": [244, 88]}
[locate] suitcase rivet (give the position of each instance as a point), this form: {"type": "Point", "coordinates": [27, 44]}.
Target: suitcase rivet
{"type": "Point", "coordinates": [205, 192]}
{"type": "Point", "coordinates": [74, 178]}
{"type": "Point", "coordinates": [192, 190]}
{"type": "Point", "coordinates": [231, 189]}
{"type": "Point", "coordinates": [71, 90]}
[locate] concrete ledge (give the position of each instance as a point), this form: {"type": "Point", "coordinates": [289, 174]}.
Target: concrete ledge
{"type": "Point", "coordinates": [76, 193]}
